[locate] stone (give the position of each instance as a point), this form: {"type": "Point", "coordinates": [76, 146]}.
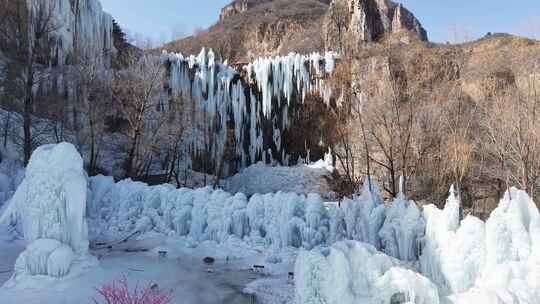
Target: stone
{"type": "Point", "coordinates": [362, 21]}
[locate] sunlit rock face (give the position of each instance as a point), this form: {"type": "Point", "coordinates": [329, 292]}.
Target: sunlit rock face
{"type": "Point", "coordinates": [360, 21]}
{"type": "Point", "coordinates": [240, 6]}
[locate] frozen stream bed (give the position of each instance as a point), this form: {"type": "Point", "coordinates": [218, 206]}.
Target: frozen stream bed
{"type": "Point", "coordinates": [182, 271]}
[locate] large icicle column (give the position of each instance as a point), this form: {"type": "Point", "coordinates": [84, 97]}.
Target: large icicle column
{"type": "Point", "coordinates": [50, 205]}
{"type": "Point", "coordinates": [79, 26]}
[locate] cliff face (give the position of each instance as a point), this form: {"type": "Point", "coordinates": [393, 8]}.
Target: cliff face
{"type": "Point", "coordinates": [350, 23]}
{"type": "Point", "coordinates": [248, 29]}
{"type": "Point", "coordinates": [241, 6]}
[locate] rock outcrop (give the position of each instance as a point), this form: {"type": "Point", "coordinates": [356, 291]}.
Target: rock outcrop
{"type": "Point", "coordinates": [241, 6]}
{"type": "Point", "coordinates": [350, 23]}
{"type": "Point", "coordinates": [238, 7]}
{"type": "Point", "coordinates": [248, 29]}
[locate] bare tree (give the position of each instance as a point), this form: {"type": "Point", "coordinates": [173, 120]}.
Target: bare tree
{"type": "Point", "coordinates": [92, 85]}
{"type": "Point", "coordinates": [459, 147]}
{"type": "Point", "coordinates": [138, 90]}
{"type": "Point", "coordinates": [24, 39]}
{"type": "Point", "coordinates": [513, 136]}
{"type": "Point", "coordinates": [350, 112]}
{"type": "Point", "coordinates": [390, 122]}
{"type": "Point", "coordinates": [339, 20]}
{"type": "Point", "coordinates": [460, 33]}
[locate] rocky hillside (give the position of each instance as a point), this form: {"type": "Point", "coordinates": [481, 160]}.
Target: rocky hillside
{"type": "Point", "coordinates": [248, 29]}
{"type": "Point", "coordinates": [251, 29]}
{"type": "Point", "coordinates": [241, 6]}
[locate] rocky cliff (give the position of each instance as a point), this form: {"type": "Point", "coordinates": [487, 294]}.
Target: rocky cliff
{"type": "Point", "coordinates": [241, 6]}
{"type": "Point", "coordinates": [251, 29]}
{"type": "Point", "coordinates": [354, 22]}
{"type": "Point", "coordinates": [248, 29]}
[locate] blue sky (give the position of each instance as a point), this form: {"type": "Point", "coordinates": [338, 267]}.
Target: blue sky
{"type": "Point", "coordinates": [445, 20]}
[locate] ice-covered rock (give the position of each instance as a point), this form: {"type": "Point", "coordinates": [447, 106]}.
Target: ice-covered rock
{"type": "Point", "coordinates": [50, 204]}
{"type": "Point", "coordinates": [5, 188]}
{"type": "Point", "coordinates": [354, 272]}
{"type": "Point", "coordinates": [273, 219]}
{"type": "Point", "coordinates": [262, 178]}
{"type": "Point", "coordinates": [11, 175]}
{"type": "Point", "coordinates": [102, 185]}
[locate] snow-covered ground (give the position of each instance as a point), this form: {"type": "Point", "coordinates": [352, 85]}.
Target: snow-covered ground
{"type": "Point", "coordinates": [262, 178]}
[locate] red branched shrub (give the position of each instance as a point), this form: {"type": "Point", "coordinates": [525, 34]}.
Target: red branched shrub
{"type": "Point", "coordinates": [118, 292]}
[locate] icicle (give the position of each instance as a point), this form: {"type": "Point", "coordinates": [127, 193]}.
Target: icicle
{"type": "Point", "coordinates": [218, 90]}
{"type": "Point", "coordinates": [402, 186]}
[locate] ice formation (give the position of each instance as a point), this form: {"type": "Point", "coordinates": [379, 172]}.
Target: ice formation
{"type": "Point", "coordinates": [80, 25]}
{"type": "Point", "coordinates": [364, 216]}
{"type": "Point", "coordinates": [274, 219]}
{"type": "Point", "coordinates": [495, 262]}
{"type": "Point", "coordinates": [45, 257]}
{"type": "Point", "coordinates": [465, 261]}
{"type": "Point", "coordinates": [461, 261]}
{"type": "Point", "coordinates": [50, 204]}
{"type": "Point", "coordinates": [402, 230]}
{"type": "Point", "coordinates": [260, 100]}
{"type": "Point", "coordinates": [281, 219]}
{"type": "Point", "coordinates": [355, 272]}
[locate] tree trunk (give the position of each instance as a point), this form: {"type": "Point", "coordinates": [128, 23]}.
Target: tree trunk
{"type": "Point", "coordinates": [6, 129]}
{"type": "Point", "coordinates": [27, 113]}
{"type": "Point", "coordinates": [131, 155]}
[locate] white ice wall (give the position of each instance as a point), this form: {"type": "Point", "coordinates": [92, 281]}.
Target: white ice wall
{"type": "Point", "coordinates": [77, 24]}
{"type": "Point", "coordinates": [275, 219]}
